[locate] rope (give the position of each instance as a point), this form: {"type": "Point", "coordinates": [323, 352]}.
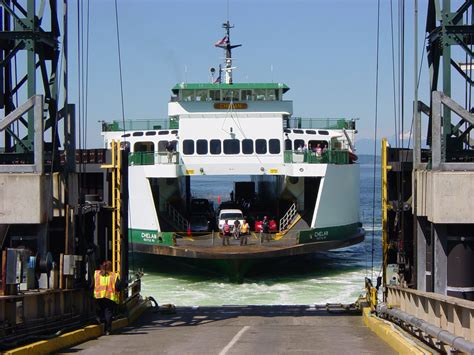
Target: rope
{"type": "Point", "coordinates": [393, 76]}
{"type": "Point", "coordinates": [375, 137]}
{"type": "Point", "coordinates": [123, 117]}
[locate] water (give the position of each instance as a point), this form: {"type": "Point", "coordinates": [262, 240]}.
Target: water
{"type": "Point", "coordinates": [336, 276]}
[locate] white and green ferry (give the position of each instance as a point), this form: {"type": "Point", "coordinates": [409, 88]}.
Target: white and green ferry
{"type": "Point", "coordinates": [304, 170]}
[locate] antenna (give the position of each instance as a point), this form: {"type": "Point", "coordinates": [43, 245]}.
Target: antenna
{"type": "Point", "coordinates": [225, 44]}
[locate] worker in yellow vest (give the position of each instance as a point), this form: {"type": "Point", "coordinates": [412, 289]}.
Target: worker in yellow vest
{"type": "Point", "coordinates": [106, 287]}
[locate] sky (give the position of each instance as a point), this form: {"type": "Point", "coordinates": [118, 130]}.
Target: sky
{"type": "Point", "coordinates": [324, 50]}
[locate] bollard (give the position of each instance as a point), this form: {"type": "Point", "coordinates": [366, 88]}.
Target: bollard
{"type": "Point", "coordinates": [212, 238]}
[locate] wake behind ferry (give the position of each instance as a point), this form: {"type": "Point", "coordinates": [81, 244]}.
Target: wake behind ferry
{"type": "Point", "coordinates": [298, 173]}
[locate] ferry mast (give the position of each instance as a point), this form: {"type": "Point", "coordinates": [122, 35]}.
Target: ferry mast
{"type": "Point", "coordinates": [225, 44]}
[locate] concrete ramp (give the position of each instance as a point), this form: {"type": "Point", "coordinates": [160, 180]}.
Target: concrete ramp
{"type": "Point", "coordinates": [298, 329]}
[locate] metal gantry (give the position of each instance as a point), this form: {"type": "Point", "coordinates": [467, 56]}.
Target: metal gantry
{"type": "Point", "coordinates": [443, 181]}
{"type": "Point", "coordinates": [24, 34]}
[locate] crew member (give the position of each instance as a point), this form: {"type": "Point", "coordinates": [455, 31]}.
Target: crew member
{"type": "Point", "coordinates": [106, 287]}
{"type": "Point", "coordinates": [244, 232]}
{"type": "Point", "coordinates": [226, 233]}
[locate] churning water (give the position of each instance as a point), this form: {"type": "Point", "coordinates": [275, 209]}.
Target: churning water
{"type": "Point", "coordinates": [329, 277]}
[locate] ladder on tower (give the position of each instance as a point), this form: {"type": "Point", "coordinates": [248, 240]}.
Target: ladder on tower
{"type": "Point", "coordinates": [115, 167]}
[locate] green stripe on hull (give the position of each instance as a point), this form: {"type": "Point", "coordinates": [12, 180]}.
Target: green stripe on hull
{"type": "Point", "coordinates": [327, 233]}
{"type": "Point", "coordinates": [150, 237]}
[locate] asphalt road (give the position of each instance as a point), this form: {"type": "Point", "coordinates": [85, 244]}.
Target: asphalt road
{"type": "Point", "coordinates": [241, 330]}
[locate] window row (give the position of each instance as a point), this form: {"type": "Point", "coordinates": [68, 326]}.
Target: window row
{"type": "Point", "coordinates": [308, 131]}
{"type": "Point", "coordinates": [230, 95]}
{"type": "Point", "coordinates": [231, 146]}
{"type": "Point", "coordinates": [150, 133]}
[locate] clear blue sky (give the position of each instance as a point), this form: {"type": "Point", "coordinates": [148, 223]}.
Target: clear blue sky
{"type": "Point", "coordinates": [324, 50]}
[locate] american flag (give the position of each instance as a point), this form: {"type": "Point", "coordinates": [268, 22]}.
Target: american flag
{"type": "Point", "coordinates": [221, 42]}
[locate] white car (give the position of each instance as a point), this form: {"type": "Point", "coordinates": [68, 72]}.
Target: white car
{"type": "Point", "coordinates": [231, 215]}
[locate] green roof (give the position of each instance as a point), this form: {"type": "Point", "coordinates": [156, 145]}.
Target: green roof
{"type": "Point", "coordinates": [209, 86]}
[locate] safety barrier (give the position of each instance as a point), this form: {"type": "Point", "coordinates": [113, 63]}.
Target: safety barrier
{"type": "Point", "coordinates": [321, 123]}
{"type": "Point", "coordinates": [136, 125]}
{"type": "Point", "coordinates": [288, 217]}
{"type": "Point", "coordinates": [177, 219]}
{"type": "Point", "coordinates": [451, 317]}
{"type": "Point", "coordinates": [152, 158]}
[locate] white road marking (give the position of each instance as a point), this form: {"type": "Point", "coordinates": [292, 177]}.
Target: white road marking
{"type": "Point", "coordinates": [234, 340]}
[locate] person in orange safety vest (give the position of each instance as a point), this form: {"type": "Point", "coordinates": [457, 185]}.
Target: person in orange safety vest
{"type": "Point", "coordinates": [106, 287]}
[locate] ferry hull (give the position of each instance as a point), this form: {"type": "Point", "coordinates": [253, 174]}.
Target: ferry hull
{"type": "Point", "coordinates": [235, 261]}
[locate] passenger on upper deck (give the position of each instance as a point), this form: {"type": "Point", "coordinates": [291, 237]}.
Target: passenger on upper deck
{"type": "Point", "coordinates": [170, 151]}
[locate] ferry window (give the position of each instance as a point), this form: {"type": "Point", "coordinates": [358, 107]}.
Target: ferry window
{"type": "Point", "coordinates": [162, 145]}
{"type": "Point", "coordinates": [247, 146]}
{"type": "Point", "coordinates": [272, 95]}
{"type": "Point", "coordinates": [261, 146]}
{"type": "Point", "coordinates": [287, 144]}
{"type": "Point", "coordinates": [187, 95]}
{"type": "Point", "coordinates": [298, 143]}
{"type": "Point", "coordinates": [162, 133]}
{"type": "Point", "coordinates": [310, 131]}
{"type": "Point", "coordinates": [231, 146]}
{"type": "Point", "coordinates": [137, 134]}
{"type": "Point", "coordinates": [125, 135]}
{"type": "Point", "coordinates": [201, 146]}
{"type": "Point", "coordinates": [323, 133]}
{"type": "Point", "coordinates": [274, 146]}
{"type": "Point", "coordinates": [259, 95]}
{"type": "Point", "coordinates": [175, 131]}
{"type": "Point", "coordinates": [150, 133]}
{"type": "Point", "coordinates": [314, 144]}
{"type": "Point", "coordinates": [188, 147]}
{"type": "Point", "coordinates": [215, 146]}
{"type": "Point", "coordinates": [230, 95]}
{"type": "Point", "coordinates": [144, 147]}
{"type": "Point", "coordinates": [201, 95]}
{"type": "Point", "coordinates": [286, 130]}
{"type": "Point", "coordinates": [215, 95]}
{"type": "Point", "coordinates": [246, 95]}
{"type": "Point", "coordinates": [299, 131]}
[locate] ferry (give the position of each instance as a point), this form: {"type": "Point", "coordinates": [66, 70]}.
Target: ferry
{"type": "Point", "coordinates": [302, 172]}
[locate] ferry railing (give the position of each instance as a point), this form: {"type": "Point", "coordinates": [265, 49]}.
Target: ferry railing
{"type": "Point", "coordinates": [288, 217]}
{"type": "Point", "coordinates": [152, 158]}
{"type": "Point", "coordinates": [328, 157]}
{"type": "Point", "coordinates": [137, 125]}
{"type": "Point", "coordinates": [180, 223]}
{"type": "Point", "coordinates": [321, 123]}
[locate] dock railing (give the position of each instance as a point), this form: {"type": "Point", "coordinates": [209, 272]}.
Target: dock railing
{"type": "Point", "coordinates": [309, 157]}
{"type": "Point", "coordinates": [452, 315]}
